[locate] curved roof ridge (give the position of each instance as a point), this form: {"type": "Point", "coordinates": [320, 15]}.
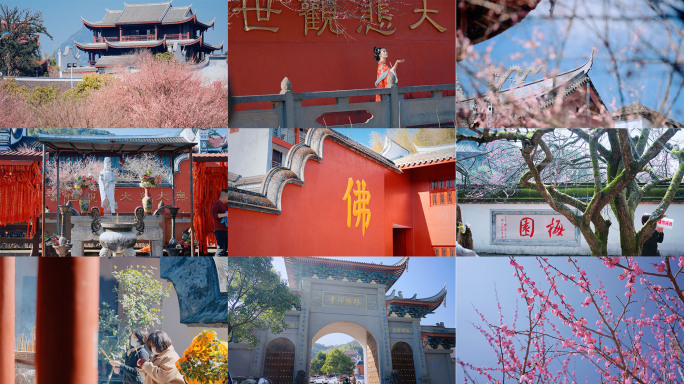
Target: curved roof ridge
{"type": "Point", "coordinates": [432, 299]}
{"type": "Point", "coordinates": [296, 158]}
{"type": "Point", "coordinates": [584, 69]}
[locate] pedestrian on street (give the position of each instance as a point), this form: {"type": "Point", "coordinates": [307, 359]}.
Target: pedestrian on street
{"type": "Point", "coordinates": [133, 354]}
{"type": "Point", "coordinates": [650, 247]}
{"type": "Point", "coordinates": [161, 368]}
{"type": "Point", "coordinates": [219, 215]}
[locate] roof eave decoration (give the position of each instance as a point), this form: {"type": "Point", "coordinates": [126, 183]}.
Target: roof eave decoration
{"type": "Point", "coordinates": [414, 307]}
{"type": "Point", "coordinates": [292, 170]}
{"type": "Point", "coordinates": [94, 24]}
{"type": "Point", "coordinates": [142, 44]}
{"type": "Point", "coordinates": [330, 269]}
{"type": "Point", "coordinates": [85, 46]}
{"type": "Point", "coordinates": [206, 25]}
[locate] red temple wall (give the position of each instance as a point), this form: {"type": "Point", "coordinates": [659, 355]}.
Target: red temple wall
{"type": "Point", "coordinates": [433, 225]}
{"type": "Point", "coordinates": [314, 216]}
{"type": "Point", "coordinates": [259, 59]}
{"type": "Point", "coordinates": [130, 198]}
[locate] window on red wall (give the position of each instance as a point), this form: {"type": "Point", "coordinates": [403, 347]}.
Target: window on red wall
{"type": "Point", "coordinates": [444, 251]}
{"type": "Point", "coordinates": [442, 192]}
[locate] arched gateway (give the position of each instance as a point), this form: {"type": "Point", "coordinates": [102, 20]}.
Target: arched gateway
{"type": "Point", "coordinates": [351, 298]}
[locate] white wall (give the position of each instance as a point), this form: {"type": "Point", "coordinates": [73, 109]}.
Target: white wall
{"type": "Point", "coordinates": [637, 123]}
{"type": "Point", "coordinates": [479, 218]}
{"type": "Point", "coordinates": [249, 151]}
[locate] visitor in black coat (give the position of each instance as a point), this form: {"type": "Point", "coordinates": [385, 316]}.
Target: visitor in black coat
{"type": "Point", "coordinates": [650, 247]}
{"type": "Point", "coordinates": [136, 351]}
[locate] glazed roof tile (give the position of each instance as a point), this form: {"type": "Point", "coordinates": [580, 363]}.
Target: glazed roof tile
{"type": "Point", "coordinates": [418, 159]}
{"type": "Point", "coordinates": [323, 268]}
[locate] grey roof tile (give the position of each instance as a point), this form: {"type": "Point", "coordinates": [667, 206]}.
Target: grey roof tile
{"type": "Point", "coordinates": [143, 13]}
{"type": "Point", "coordinates": [176, 14]}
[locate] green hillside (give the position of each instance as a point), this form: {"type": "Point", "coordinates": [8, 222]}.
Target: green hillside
{"type": "Point", "coordinates": [352, 345]}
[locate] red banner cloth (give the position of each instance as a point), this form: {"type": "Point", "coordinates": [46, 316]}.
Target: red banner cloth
{"type": "Point", "coordinates": [208, 183]}
{"type": "Point", "coordinates": [20, 194]}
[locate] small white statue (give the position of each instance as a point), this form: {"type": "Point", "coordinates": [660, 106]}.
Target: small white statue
{"type": "Point", "coordinates": [107, 183]}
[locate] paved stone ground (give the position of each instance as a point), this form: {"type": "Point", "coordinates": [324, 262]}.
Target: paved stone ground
{"type": "Point", "coordinates": [24, 374]}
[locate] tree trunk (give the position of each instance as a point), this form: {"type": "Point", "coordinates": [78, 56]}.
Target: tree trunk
{"type": "Point", "coordinates": [598, 241]}
{"type": "Point", "coordinates": [629, 241]}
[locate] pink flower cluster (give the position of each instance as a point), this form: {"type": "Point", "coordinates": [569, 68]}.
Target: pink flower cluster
{"type": "Point", "coordinates": [637, 341]}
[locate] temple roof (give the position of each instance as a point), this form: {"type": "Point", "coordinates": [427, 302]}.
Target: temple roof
{"type": "Point", "coordinates": [428, 156]}
{"type": "Point", "coordinates": [27, 149]}
{"type": "Point", "coordinates": [115, 60]}
{"type": "Point", "coordinates": [630, 112]}
{"type": "Point", "coordinates": [147, 44]}
{"type": "Point", "coordinates": [546, 89]}
{"type": "Point", "coordinates": [109, 20]}
{"type": "Point", "coordinates": [438, 336]}
{"type": "Point", "coordinates": [143, 13]}
{"type": "Point", "coordinates": [155, 13]}
{"type": "Point", "coordinates": [177, 14]}
{"type": "Point", "coordinates": [540, 87]}
{"type": "Point", "coordinates": [115, 144]}
{"type": "Point", "coordinates": [482, 20]}
{"type": "Point", "coordinates": [323, 268]}
{"type": "Point", "coordinates": [414, 307]}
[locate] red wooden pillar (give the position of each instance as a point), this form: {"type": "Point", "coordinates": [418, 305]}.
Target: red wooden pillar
{"type": "Point", "coordinates": [6, 320]}
{"type": "Point", "coordinates": [67, 320]}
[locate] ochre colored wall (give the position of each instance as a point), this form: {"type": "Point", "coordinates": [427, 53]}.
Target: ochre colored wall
{"type": "Point", "coordinates": [259, 60]}
{"type": "Point", "coordinates": [436, 225]}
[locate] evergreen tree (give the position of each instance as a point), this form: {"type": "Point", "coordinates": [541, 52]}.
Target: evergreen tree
{"type": "Point", "coordinates": [317, 363]}
{"type": "Point", "coordinates": [257, 299]}
{"type": "Point", "coordinates": [337, 362]}
{"type": "Point", "coordinates": [19, 46]}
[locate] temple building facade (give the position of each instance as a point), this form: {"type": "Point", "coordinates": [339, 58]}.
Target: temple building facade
{"type": "Point", "coordinates": [158, 27]}
{"type": "Point", "coordinates": [353, 298]}
{"type": "Point", "coordinates": [319, 193]}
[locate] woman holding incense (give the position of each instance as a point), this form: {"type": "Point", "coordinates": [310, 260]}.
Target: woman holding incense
{"type": "Point", "coordinates": [136, 352]}
{"type": "Point", "coordinates": [161, 368]}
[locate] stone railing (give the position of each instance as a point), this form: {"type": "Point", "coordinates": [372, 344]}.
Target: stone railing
{"type": "Point", "coordinates": [393, 111]}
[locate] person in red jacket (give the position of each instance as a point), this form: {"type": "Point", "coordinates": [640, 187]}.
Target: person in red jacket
{"type": "Point", "coordinates": [219, 215]}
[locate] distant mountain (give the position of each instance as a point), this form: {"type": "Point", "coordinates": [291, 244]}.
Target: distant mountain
{"type": "Point", "coordinates": [83, 35]}
{"type": "Point", "coordinates": [352, 345]}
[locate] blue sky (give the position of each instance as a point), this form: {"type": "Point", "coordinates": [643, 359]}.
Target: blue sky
{"type": "Point", "coordinates": [361, 135]}
{"type": "Point", "coordinates": [646, 78]}
{"type": "Point", "coordinates": [63, 18]}
{"type": "Point", "coordinates": [478, 278]}
{"type": "Point", "coordinates": [425, 276]}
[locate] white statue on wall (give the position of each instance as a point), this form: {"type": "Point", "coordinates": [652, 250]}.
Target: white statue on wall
{"type": "Point", "coordinates": [107, 183]}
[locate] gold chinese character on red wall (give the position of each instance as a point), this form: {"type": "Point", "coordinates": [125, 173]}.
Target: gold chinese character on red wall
{"type": "Point", "coordinates": [358, 208]}
{"type": "Point", "coordinates": [262, 14]}
{"type": "Point", "coordinates": [425, 16]}
{"type": "Point", "coordinates": [377, 16]}
{"type": "Point", "coordinates": [319, 14]}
